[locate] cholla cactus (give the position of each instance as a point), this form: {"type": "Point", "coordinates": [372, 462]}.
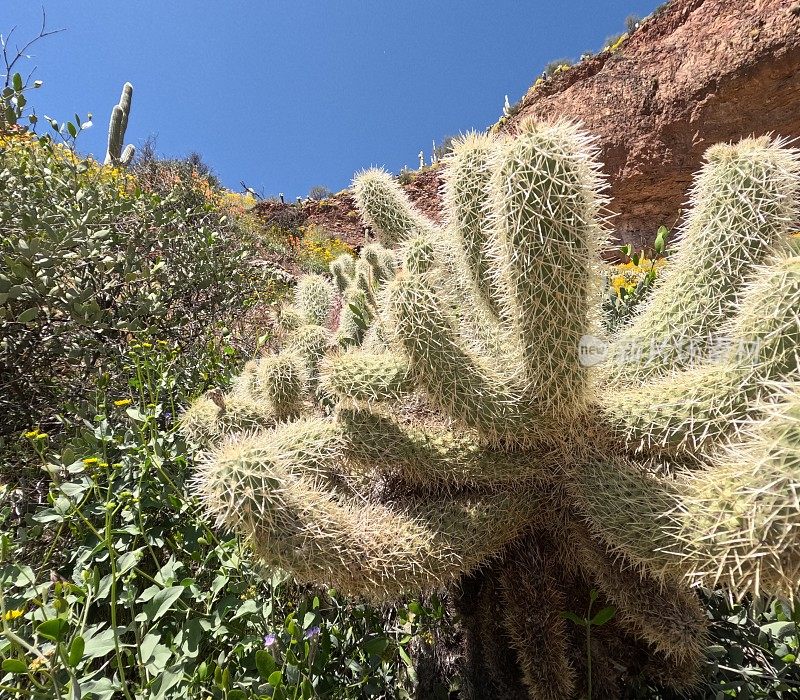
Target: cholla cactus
{"type": "Point", "coordinates": [475, 444]}
{"type": "Point", "coordinates": [115, 155]}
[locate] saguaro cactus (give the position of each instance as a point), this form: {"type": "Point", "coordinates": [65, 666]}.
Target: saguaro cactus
{"type": "Point", "coordinates": [472, 446]}
{"type": "Point", "coordinates": [115, 155]}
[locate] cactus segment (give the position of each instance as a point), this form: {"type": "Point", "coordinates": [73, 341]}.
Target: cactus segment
{"type": "Point", "coordinates": [743, 204]}
{"type": "Point", "coordinates": [282, 380]}
{"type": "Point", "coordinates": [738, 521]}
{"type": "Point", "coordinates": [279, 494]}
{"type": "Point", "coordinates": [441, 458]}
{"type": "Point", "coordinates": [385, 207]}
{"type": "Point", "coordinates": [549, 230]}
{"type": "Point", "coordinates": [117, 126]}
{"type": "Point", "coordinates": [367, 377]}
{"type": "Point", "coordinates": [343, 271]}
{"type": "Point", "coordinates": [461, 385]}
{"type": "Point", "coordinates": [715, 401]}
{"type": "Point", "coordinates": [467, 190]}
{"type": "Point", "coordinates": [314, 297]}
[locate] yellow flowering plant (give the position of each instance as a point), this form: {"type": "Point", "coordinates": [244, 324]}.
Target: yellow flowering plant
{"type": "Point", "coordinates": [629, 282]}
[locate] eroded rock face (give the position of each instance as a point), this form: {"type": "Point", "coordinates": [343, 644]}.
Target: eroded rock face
{"type": "Point", "coordinates": [695, 73]}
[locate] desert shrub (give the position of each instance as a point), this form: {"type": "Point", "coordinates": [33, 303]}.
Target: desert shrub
{"type": "Point", "coordinates": [316, 249]}
{"type": "Point", "coordinates": [406, 175]}
{"type": "Point", "coordinates": [115, 585]}
{"type": "Point", "coordinates": [443, 149]}
{"type": "Point", "coordinates": [319, 192]}
{"type": "Point", "coordinates": [557, 66]}
{"type": "Point", "coordinates": [93, 257]}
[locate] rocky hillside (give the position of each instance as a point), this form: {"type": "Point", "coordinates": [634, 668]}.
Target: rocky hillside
{"type": "Point", "coordinates": [693, 73]}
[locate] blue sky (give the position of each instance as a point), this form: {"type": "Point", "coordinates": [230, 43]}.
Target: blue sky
{"type": "Point", "coordinates": [285, 95]}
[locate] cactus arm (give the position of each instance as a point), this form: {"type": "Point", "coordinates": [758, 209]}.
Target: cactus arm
{"type": "Point", "coordinates": [282, 381]}
{"type": "Point", "coordinates": [125, 100]}
{"type": "Point", "coordinates": [542, 645]}
{"type": "Point", "coordinates": [127, 155]}
{"type": "Point", "coordinates": [278, 492]}
{"type": "Point", "coordinates": [468, 181]}
{"type": "Point", "coordinates": [738, 521]}
{"type": "Point", "coordinates": [211, 418]}
{"type": "Point", "coordinates": [734, 522]}
{"type": "Point", "coordinates": [385, 207]}
{"type": "Point", "coordinates": [343, 269]}
{"type": "Point", "coordinates": [314, 297]}
{"type": "Point", "coordinates": [697, 408]}
{"type": "Point", "coordinates": [115, 136]}
{"type": "Point", "coordinates": [440, 459]}
{"type": "Point", "coordinates": [548, 211]}
{"type": "Point", "coordinates": [310, 342]}
{"type": "Point", "coordinates": [367, 377]}
{"type": "Point", "coordinates": [660, 610]}
{"type": "Point", "coordinates": [462, 385]}
{"type": "Point", "coordinates": [744, 202]}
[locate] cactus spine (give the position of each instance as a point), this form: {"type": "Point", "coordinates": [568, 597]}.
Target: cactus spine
{"type": "Point", "coordinates": [458, 440]}
{"type": "Point", "coordinates": [115, 154]}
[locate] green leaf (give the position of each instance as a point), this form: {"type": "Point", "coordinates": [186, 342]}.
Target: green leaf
{"type": "Point", "coordinates": [76, 651]}
{"type": "Point", "coordinates": [52, 629]}
{"type": "Point", "coordinates": [14, 666]}
{"type": "Point", "coordinates": [573, 618]}
{"type": "Point", "coordinates": [275, 679]}
{"type": "Point", "coordinates": [98, 643]}
{"type": "Point", "coordinates": [264, 663]}
{"type": "Point", "coordinates": [603, 616]}
{"type": "Point", "coordinates": [162, 602]}
{"type": "Point", "coordinates": [17, 82]}
{"type": "Point", "coordinates": [237, 695]}
{"type": "Point", "coordinates": [376, 646]}
{"type": "Point", "coordinates": [71, 129]}
{"type": "Point", "coordinates": [28, 315]}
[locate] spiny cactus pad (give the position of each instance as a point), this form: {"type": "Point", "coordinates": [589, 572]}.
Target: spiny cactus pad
{"type": "Point", "coordinates": [470, 442]}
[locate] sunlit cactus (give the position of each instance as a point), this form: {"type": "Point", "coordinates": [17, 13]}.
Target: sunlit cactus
{"type": "Point", "coordinates": [115, 153]}
{"type": "Point", "coordinates": [453, 432]}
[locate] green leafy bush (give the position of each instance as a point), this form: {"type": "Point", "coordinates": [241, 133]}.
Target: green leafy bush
{"type": "Point", "coordinates": [116, 585]}
{"type": "Point", "coordinates": [88, 261]}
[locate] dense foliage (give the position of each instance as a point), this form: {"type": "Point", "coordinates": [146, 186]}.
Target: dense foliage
{"type": "Point", "coordinates": [92, 261]}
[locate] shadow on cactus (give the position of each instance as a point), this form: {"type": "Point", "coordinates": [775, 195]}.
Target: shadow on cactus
{"type": "Point", "coordinates": [464, 425]}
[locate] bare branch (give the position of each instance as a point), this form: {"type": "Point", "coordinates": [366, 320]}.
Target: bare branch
{"type": "Point", "coordinates": [9, 63]}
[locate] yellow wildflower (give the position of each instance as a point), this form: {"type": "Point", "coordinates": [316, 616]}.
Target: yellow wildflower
{"type": "Point", "coordinates": [31, 434]}
{"type": "Point", "coordinates": [13, 614]}
{"type": "Point", "coordinates": [36, 664]}
{"type": "Point", "coordinates": [122, 402]}
{"type": "Point", "coordinates": [91, 460]}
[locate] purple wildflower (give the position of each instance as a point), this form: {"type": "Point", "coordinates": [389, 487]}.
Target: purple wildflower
{"type": "Point", "coordinates": [269, 640]}
{"type": "Point", "coordinates": [312, 632]}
